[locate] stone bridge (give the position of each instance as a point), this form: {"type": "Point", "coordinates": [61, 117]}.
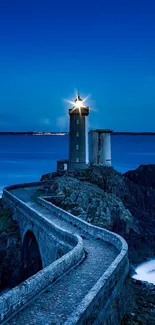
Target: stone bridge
{"type": "Point", "coordinates": [81, 268]}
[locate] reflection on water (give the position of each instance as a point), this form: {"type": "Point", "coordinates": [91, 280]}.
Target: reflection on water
{"type": "Point", "coordinates": [146, 272]}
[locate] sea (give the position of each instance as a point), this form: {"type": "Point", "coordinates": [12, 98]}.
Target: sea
{"type": "Point", "coordinates": [24, 158]}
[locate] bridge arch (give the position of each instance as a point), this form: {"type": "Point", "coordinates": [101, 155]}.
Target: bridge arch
{"type": "Point", "coordinates": [31, 257]}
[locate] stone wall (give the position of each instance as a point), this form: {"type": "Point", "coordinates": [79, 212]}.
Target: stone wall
{"type": "Point", "coordinates": [48, 236]}
{"type": "Point", "coordinates": [99, 305]}
{"type": "Point", "coordinates": [19, 297]}
{"type": "Point", "coordinates": [95, 308]}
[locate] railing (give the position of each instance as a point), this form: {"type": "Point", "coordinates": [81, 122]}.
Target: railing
{"type": "Point", "coordinates": [95, 304]}
{"type": "Point", "coordinates": [107, 287]}
{"type": "Point", "coordinates": [17, 298]}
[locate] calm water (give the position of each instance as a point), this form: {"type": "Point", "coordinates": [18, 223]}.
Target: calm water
{"type": "Point", "coordinates": [26, 158]}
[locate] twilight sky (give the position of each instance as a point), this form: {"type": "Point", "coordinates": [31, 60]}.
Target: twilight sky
{"type": "Point", "coordinates": [49, 48]}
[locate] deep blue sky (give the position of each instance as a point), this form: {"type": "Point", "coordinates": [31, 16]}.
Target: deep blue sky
{"type": "Point", "coordinates": [49, 48]}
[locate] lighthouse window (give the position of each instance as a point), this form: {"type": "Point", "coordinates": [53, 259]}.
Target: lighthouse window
{"type": "Point", "coordinates": [77, 147]}
{"type": "Point", "coordinates": [77, 159]}
{"type": "Point", "coordinates": [77, 134]}
{"type": "Point", "coordinates": [77, 121]}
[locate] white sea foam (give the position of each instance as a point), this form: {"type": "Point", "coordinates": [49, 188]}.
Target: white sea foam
{"type": "Point", "coordinates": [146, 272]}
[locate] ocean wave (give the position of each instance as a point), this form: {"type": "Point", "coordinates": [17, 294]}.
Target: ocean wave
{"type": "Point", "coordinates": [146, 272]}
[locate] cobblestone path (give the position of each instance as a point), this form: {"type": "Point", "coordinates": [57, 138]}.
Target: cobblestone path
{"type": "Point", "coordinates": [55, 305]}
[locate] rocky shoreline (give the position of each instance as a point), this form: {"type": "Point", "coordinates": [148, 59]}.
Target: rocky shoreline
{"type": "Point", "coordinates": [10, 252]}
{"type": "Point", "coordinates": [124, 204]}
{"type": "Point", "coordinates": [106, 198]}
{"type": "Point", "coordinates": [100, 195]}
{"type": "Point", "coordinates": [143, 306]}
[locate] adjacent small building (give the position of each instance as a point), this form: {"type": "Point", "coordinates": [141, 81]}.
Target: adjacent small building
{"type": "Point", "coordinates": [99, 146]}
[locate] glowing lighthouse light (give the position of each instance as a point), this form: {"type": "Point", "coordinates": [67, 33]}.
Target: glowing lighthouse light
{"type": "Point", "coordinates": [78, 103]}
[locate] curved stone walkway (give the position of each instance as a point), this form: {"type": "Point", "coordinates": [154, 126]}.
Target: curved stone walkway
{"type": "Point", "coordinates": [56, 305]}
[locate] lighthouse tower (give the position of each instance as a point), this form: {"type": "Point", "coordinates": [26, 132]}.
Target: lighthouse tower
{"type": "Point", "coordinates": [78, 140]}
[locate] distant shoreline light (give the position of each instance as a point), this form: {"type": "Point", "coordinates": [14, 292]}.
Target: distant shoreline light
{"type": "Point", "coordinates": [35, 133]}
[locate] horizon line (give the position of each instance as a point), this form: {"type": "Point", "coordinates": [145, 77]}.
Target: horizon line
{"type": "Point", "coordinates": [66, 132]}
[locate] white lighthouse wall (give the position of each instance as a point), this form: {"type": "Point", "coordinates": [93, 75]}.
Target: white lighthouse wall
{"type": "Point", "coordinates": [86, 139]}
{"type": "Point", "coordinates": [93, 147]}
{"type": "Point", "coordinates": [105, 152]}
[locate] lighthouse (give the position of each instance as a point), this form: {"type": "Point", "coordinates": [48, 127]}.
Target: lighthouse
{"type": "Point", "coordinates": [99, 141]}
{"type": "Point", "coordinates": [78, 140]}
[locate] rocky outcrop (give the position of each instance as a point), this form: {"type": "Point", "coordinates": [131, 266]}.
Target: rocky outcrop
{"type": "Point", "coordinates": [121, 205]}
{"type": "Point", "coordinates": [124, 204]}
{"type": "Point", "coordinates": [143, 175]}
{"type": "Point", "coordinates": [88, 201]}
{"type": "Point", "coordinates": [10, 254]}
{"type": "Point", "coordinates": [143, 307]}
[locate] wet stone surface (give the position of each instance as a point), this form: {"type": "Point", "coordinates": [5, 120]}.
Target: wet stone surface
{"type": "Point", "coordinates": [55, 305]}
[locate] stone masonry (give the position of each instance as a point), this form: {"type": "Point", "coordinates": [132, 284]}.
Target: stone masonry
{"type": "Point", "coordinates": [79, 286]}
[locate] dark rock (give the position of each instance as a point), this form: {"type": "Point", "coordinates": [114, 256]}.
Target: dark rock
{"type": "Point", "coordinates": [124, 204]}
{"type": "Point", "coordinates": [89, 202]}
{"type": "Point", "coordinates": [10, 253]}
{"type": "Point", "coordinates": [143, 175]}
{"type": "Point", "coordinates": [143, 312]}
{"type": "Point", "coordinates": [138, 201]}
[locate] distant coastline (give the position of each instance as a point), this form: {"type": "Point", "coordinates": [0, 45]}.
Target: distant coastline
{"type": "Point", "coordinates": [66, 133]}
{"type": "Point", "coordinates": [133, 133]}
{"type": "Point", "coordinates": [33, 133]}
